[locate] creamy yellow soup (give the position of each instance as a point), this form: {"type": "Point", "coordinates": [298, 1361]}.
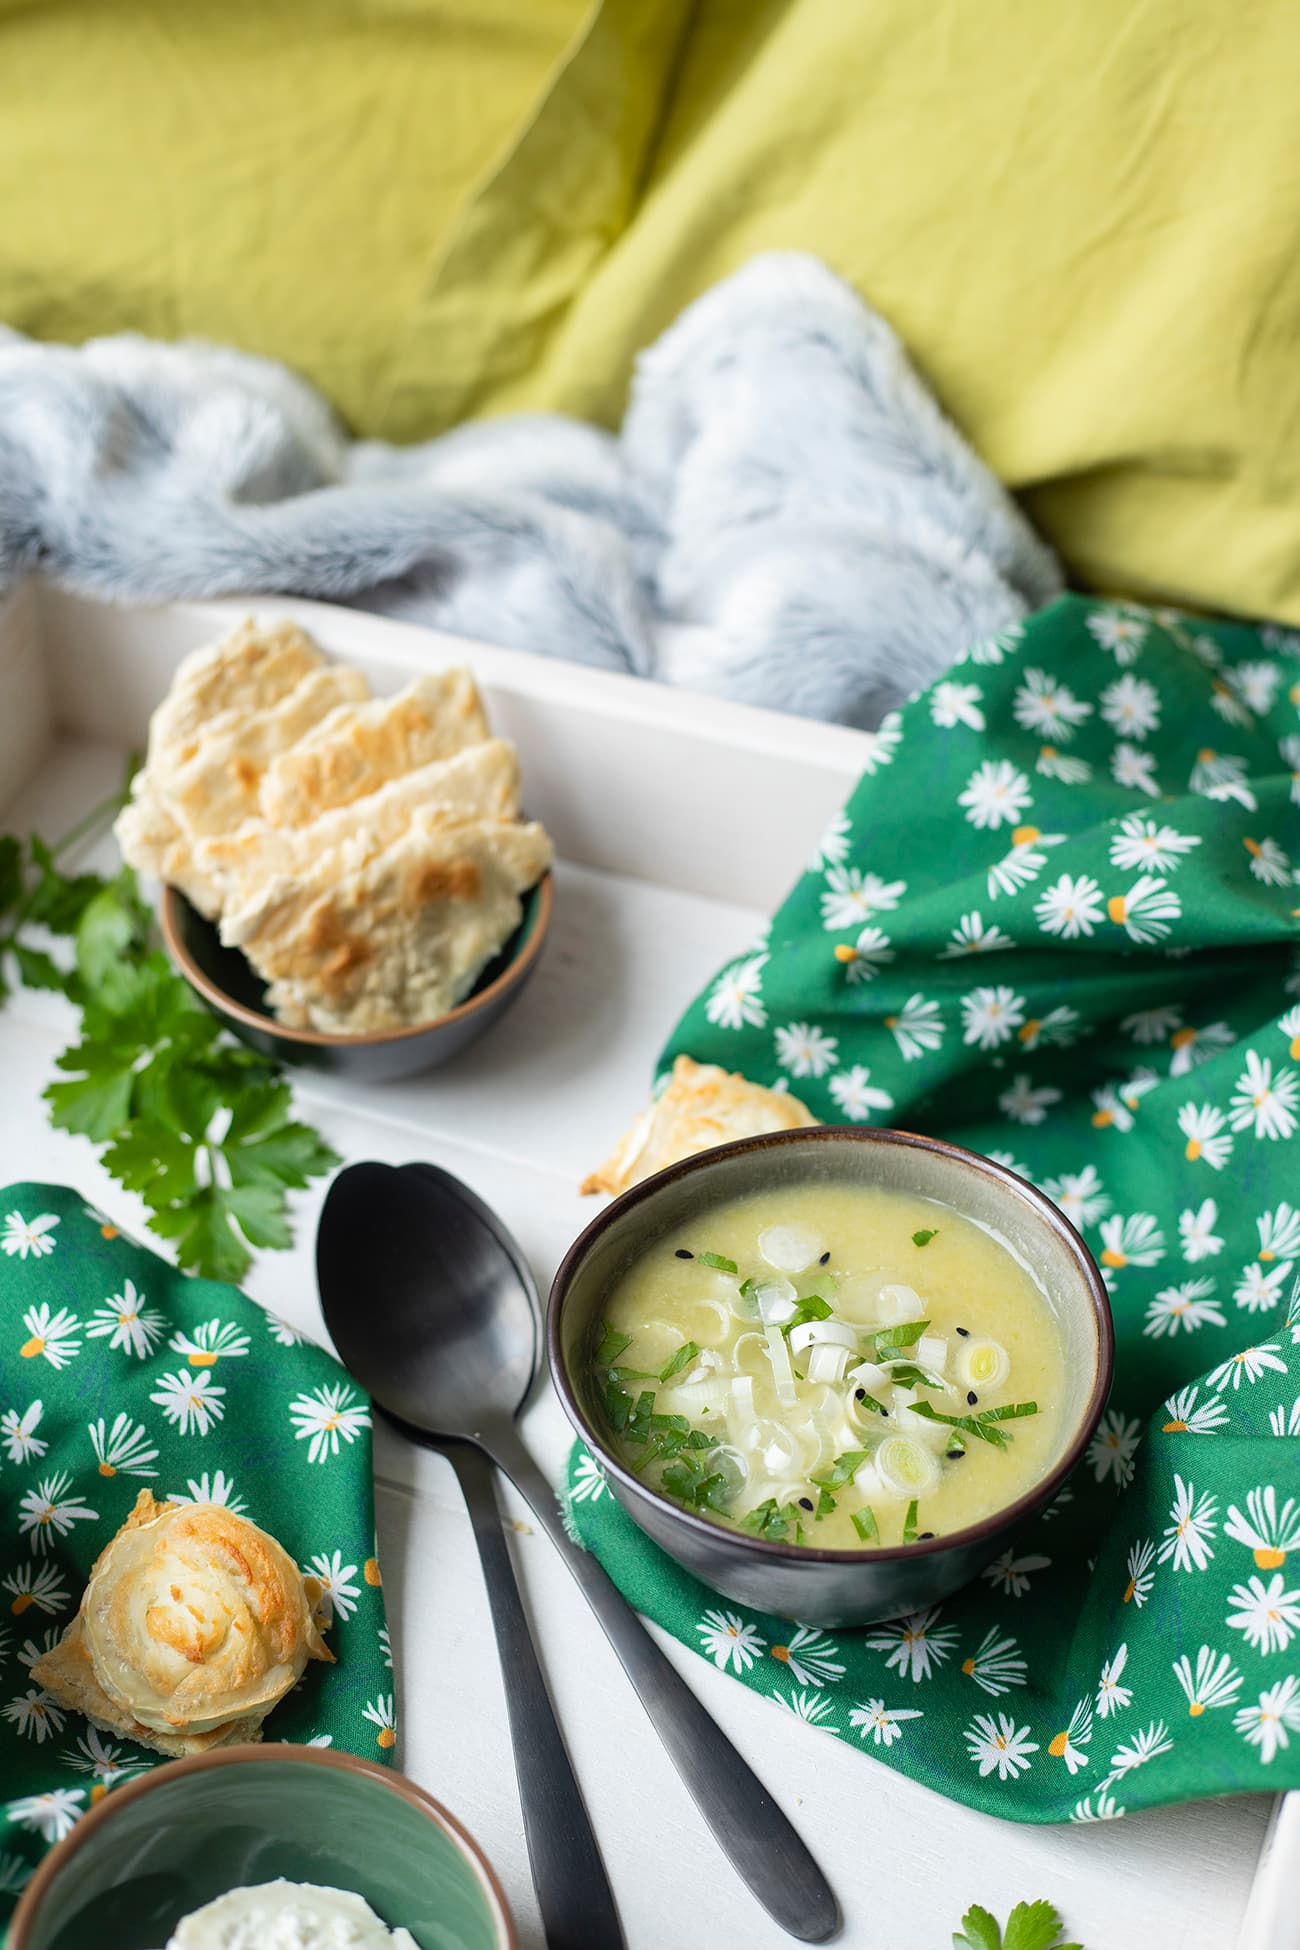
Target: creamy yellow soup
{"type": "Point", "coordinates": [835, 1366]}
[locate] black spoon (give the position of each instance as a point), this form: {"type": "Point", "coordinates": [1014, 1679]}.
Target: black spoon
{"type": "Point", "coordinates": [432, 1307]}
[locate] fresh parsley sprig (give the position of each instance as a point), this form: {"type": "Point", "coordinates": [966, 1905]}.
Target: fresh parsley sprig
{"type": "Point", "coordinates": [1030, 1926]}
{"type": "Point", "coordinates": [197, 1124]}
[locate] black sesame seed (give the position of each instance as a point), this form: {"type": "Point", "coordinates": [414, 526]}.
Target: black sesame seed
{"type": "Point", "coordinates": [884, 1411]}
{"type": "Point", "coordinates": [859, 1394]}
{"type": "Point", "coordinates": [964, 1332]}
{"type": "Point", "coordinates": [824, 1259]}
{"type": "Point", "coordinates": [682, 1253]}
{"type": "Point", "coordinates": [971, 1397]}
{"type": "Point", "coordinates": [924, 1536]}
{"type": "Point", "coordinates": [805, 1503]}
{"type": "Point", "coordinates": [954, 1455]}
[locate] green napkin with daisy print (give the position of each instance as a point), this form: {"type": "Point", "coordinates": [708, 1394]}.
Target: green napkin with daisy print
{"type": "Point", "coordinates": [119, 1373]}
{"type": "Point", "coordinates": [1058, 922]}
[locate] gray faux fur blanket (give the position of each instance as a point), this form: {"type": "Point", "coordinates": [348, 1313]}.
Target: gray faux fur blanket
{"type": "Point", "coordinates": [786, 517]}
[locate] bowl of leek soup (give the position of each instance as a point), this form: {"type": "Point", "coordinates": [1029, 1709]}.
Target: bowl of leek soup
{"type": "Point", "coordinates": [828, 1370]}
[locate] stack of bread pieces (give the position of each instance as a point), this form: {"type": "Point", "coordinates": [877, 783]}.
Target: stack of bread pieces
{"type": "Point", "coordinates": [193, 1625]}
{"type": "Point", "coordinates": [366, 854]}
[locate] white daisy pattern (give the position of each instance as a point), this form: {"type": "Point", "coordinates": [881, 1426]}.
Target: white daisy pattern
{"type": "Point", "coordinates": [856, 1095]}
{"type": "Point", "coordinates": [1113, 1696]}
{"type": "Point", "coordinates": [811, 1658]}
{"type": "Point", "coordinates": [814, 1709]}
{"type": "Point", "coordinates": [1120, 633]}
{"type": "Point", "coordinates": [991, 1016]}
{"type": "Point", "coordinates": [736, 999]}
{"type": "Point", "coordinates": [1114, 1446]}
{"type": "Point", "coordinates": [882, 1724]}
{"type": "Point", "coordinates": [28, 1238]}
{"type": "Point", "coordinates": [1264, 1101]}
{"type": "Point", "coordinates": [952, 703]}
{"type": "Point", "coordinates": [972, 937]}
{"type": "Point", "coordinates": [998, 1745]}
{"type": "Point", "coordinates": [192, 1403]}
{"type": "Point", "coordinates": [917, 1028]}
{"type": "Point", "coordinates": [1189, 1536]}
{"type": "Point", "coordinates": [1212, 1682]}
{"type": "Point", "coordinates": [1143, 1748]}
{"type": "Point", "coordinates": [51, 1815]}
{"type": "Point", "coordinates": [1271, 1531]}
{"type": "Point", "coordinates": [1140, 1566]}
{"type": "Point", "coordinates": [1247, 1365]}
{"type": "Point", "coordinates": [127, 1322]}
{"type": "Point", "coordinates": [1012, 1575]}
{"type": "Point", "coordinates": [1024, 863]}
{"type": "Point", "coordinates": [18, 1436]}
{"type": "Point", "coordinates": [1189, 1415]}
{"type": "Point", "coordinates": [997, 1664]}
{"type": "Point", "coordinates": [589, 1483]}
{"type": "Point", "coordinates": [1134, 769]}
{"type": "Point", "coordinates": [1131, 706]}
{"type": "Point", "coordinates": [804, 1050]}
{"type": "Point", "coordinates": [1185, 1308]}
{"type": "Point", "coordinates": [214, 1488]}
{"type": "Point", "coordinates": [327, 1416]}
{"type": "Point", "coordinates": [1145, 910]}
{"type": "Point", "coordinates": [1150, 845]}
{"type": "Point", "coordinates": [1268, 1724]}
{"type": "Point", "coordinates": [53, 1335]}
{"type": "Point", "coordinates": [209, 1343]}
{"type": "Point", "coordinates": [863, 959]}
{"type": "Point", "coordinates": [124, 1448]}
{"type": "Point", "coordinates": [1071, 907]}
{"type": "Point", "coordinates": [1266, 1614]}
{"type": "Point", "coordinates": [1048, 707]}
{"type": "Point", "coordinates": [1081, 1195]}
{"type": "Point", "coordinates": [1205, 1130]}
{"type": "Point", "coordinates": [1258, 1291]}
{"type": "Point", "coordinates": [915, 1646]}
{"type": "Point", "coordinates": [1069, 1743]}
{"type": "Point", "coordinates": [732, 1642]}
{"type": "Point", "coordinates": [335, 1581]}
{"type": "Point", "coordinates": [1133, 1241]}
{"type": "Point", "coordinates": [1196, 1234]}
{"type": "Point", "coordinates": [1026, 1102]}
{"type": "Point", "coordinates": [51, 1510]}
{"type": "Point", "coordinates": [996, 794]}
{"type": "Point", "coordinates": [852, 898]}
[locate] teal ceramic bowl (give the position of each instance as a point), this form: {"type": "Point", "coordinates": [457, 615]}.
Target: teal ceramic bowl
{"type": "Point", "coordinates": [163, 1845]}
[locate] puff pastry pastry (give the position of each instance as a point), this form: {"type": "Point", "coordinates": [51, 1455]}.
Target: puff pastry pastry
{"type": "Point", "coordinates": [194, 1624]}
{"type": "Point", "coordinates": [703, 1105]}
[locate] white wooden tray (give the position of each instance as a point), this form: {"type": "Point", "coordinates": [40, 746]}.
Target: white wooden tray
{"type": "Point", "coordinates": [680, 822]}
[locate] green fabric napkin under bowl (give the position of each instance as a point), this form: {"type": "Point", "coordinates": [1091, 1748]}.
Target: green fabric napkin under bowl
{"type": "Point", "coordinates": [118, 1373]}
{"type": "Point", "coordinates": [1058, 923]}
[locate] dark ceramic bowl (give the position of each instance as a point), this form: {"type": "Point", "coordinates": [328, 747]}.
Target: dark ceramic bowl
{"type": "Point", "coordinates": [223, 978]}
{"type": "Point", "coordinates": [830, 1587]}
{"type": "Point", "coordinates": [162, 1845]}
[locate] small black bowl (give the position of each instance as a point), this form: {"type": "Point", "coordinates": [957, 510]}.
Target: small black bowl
{"type": "Point", "coordinates": [830, 1587]}
{"type": "Point", "coordinates": [232, 990]}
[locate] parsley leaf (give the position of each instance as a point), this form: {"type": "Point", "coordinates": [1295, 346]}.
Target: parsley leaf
{"type": "Point", "coordinates": [612, 1344]}
{"type": "Point", "coordinates": [773, 1521]}
{"type": "Point", "coordinates": [925, 1235]}
{"type": "Point", "coordinates": [864, 1522]}
{"type": "Point", "coordinates": [984, 1425]}
{"type": "Point", "coordinates": [842, 1470]}
{"type": "Point", "coordinates": [886, 1339]}
{"type": "Point", "coordinates": [909, 1523]}
{"type": "Point", "coordinates": [200, 1126]}
{"type": "Point", "coordinates": [719, 1263]}
{"type": "Point", "coordinates": [813, 1308]}
{"type": "Point", "coordinates": [1030, 1926]}
{"type": "Point", "coordinates": [686, 1353]}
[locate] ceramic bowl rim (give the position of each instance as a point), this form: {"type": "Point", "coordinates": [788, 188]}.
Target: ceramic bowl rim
{"type": "Point", "coordinates": [226, 1005]}
{"type": "Point", "coordinates": [972, 1535]}
{"type": "Point", "coordinates": [29, 1903]}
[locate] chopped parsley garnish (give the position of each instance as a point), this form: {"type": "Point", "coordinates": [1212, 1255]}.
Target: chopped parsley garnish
{"type": "Point", "coordinates": [686, 1353]}
{"type": "Point", "coordinates": [908, 1375]}
{"type": "Point", "coordinates": [612, 1344]}
{"type": "Point", "coordinates": [718, 1261]}
{"type": "Point", "coordinates": [774, 1521]}
{"type": "Point", "coordinates": [691, 1480]}
{"type": "Point", "coordinates": [924, 1237]}
{"type": "Point", "coordinates": [984, 1425]}
{"type": "Point", "coordinates": [864, 1522]}
{"type": "Point", "coordinates": [842, 1470]}
{"type": "Point", "coordinates": [825, 1502]}
{"type": "Point", "coordinates": [1030, 1926]}
{"type": "Point", "coordinates": [887, 1338]}
{"type": "Point", "coordinates": [909, 1523]}
{"type": "Point", "coordinates": [813, 1308]}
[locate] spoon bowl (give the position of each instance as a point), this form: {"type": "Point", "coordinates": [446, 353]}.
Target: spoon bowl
{"type": "Point", "coordinates": [429, 1301]}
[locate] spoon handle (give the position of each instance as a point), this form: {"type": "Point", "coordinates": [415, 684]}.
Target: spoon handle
{"type": "Point", "coordinates": [758, 1840]}
{"type": "Point", "coordinates": [573, 1891]}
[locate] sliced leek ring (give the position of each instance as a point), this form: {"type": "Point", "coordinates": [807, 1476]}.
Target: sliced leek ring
{"type": "Point", "coordinates": [983, 1364]}
{"type": "Point", "coordinates": [905, 1467]}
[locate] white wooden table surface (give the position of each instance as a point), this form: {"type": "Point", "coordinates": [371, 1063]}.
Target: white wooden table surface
{"type": "Point", "coordinates": [520, 1117]}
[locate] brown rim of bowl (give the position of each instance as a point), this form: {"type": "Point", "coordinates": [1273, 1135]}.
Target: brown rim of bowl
{"type": "Point", "coordinates": [332, 1039]}
{"type": "Point", "coordinates": [828, 1134]}
{"type": "Point", "coordinates": [20, 1924]}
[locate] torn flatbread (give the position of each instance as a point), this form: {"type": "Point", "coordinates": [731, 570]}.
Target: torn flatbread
{"type": "Point", "coordinates": [357, 750]}
{"type": "Point", "coordinates": [400, 941]}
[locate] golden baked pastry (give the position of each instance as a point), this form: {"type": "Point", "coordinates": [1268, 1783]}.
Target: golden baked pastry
{"type": "Point", "coordinates": [249, 669]}
{"type": "Point", "coordinates": [701, 1106]}
{"type": "Point", "coordinates": [193, 1625]}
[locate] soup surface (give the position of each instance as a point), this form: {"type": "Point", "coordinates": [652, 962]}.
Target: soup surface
{"type": "Point", "coordinates": [833, 1365]}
